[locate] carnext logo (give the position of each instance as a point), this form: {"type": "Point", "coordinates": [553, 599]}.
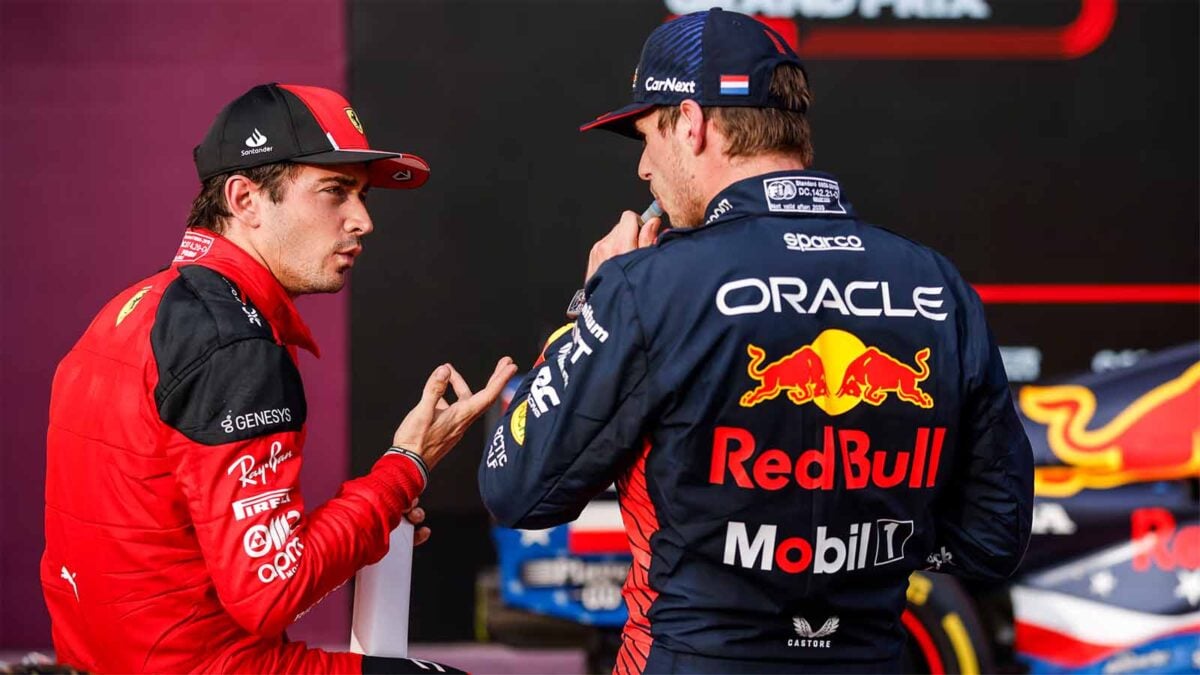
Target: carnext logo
{"type": "Point", "coordinates": [671, 84]}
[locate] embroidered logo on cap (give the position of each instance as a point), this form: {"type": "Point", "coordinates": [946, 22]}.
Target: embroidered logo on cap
{"type": "Point", "coordinates": [354, 120]}
{"type": "Point", "coordinates": [256, 139]}
{"type": "Point", "coordinates": [677, 85]}
{"type": "Point", "coordinates": [735, 85]}
{"type": "Point", "coordinates": [255, 142]}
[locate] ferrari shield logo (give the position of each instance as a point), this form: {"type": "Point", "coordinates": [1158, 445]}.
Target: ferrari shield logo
{"type": "Point", "coordinates": [354, 120]}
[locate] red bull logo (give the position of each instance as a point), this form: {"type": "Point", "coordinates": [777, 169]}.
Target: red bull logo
{"type": "Point", "coordinates": [1166, 546]}
{"type": "Point", "coordinates": [864, 374]}
{"type": "Point", "coordinates": [1156, 438]}
{"type": "Point", "coordinates": [801, 374]}
{"type": "Point", "coordinates": [740, 459]}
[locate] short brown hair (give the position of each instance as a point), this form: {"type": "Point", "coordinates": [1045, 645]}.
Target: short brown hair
{"type": "Point", "coordinates": [752, 131]}
{"type": "Point", "coordinates": [209, 209]}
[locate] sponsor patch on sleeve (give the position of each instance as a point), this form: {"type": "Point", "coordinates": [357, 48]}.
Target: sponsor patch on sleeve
{"type": "Point", "coordinates": [517, 423]}
{"type": "Point", "coordinates": [497, 455]}
{"type": "Point", "coordinates": [132, 304]}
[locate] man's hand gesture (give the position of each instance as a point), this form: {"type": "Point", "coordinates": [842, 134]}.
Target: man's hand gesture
{"type": "Point", "coordinates": [434, 426]}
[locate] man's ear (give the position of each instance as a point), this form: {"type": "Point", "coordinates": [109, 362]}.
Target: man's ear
{"type": "Point", "coordinates": [242, 199]}
{"type": "Point", "coordinates": [692, 126]}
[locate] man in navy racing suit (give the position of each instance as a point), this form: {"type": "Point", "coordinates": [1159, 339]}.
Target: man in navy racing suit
{"type": "Point", "coordinates": [798, 408]}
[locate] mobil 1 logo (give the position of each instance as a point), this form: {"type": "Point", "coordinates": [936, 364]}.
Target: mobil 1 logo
{"type": "Point", "coordinates": [867, 544]}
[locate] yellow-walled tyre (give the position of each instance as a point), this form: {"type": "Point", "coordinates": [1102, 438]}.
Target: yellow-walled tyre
{"type": "Point", "coordinates": [945, 634]}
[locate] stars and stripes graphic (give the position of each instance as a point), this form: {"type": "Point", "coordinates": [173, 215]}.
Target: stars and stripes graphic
{"type": "Point", "coordinates": [735, 85]}
{"type": "Point", "coordinates": [1064, 631]}
{"type": "Point", "coordinates": [598, 530]}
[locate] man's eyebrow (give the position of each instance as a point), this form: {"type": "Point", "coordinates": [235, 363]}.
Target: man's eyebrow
{"type": "Point", "coordinates": [340, 180]}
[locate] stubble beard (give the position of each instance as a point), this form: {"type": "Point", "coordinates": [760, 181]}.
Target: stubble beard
{"type": "Point", "coordinates": [310, 279]}
{"type": "Point", "coordinates": [309, 276]}
{"type": "Point", "coordinates": [688, 204]}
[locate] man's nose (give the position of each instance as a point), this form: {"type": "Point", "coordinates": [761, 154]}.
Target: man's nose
{"type": "Point", "coordinates": [359, 221]}
{"type": "Point", "coordinates": [643, 167]}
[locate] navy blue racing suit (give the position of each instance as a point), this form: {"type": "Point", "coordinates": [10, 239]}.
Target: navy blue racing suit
{"type": "Point", "coordinates": [799, 409]}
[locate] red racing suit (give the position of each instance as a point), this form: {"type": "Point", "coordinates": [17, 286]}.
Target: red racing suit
{"type": "Point", "coordinates": [176, 535]}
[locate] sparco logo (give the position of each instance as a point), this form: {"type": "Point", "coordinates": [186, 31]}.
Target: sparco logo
{"type": "Point", "coordinates": [829, 555]}
{"type": "Point", "coordinates": [267, 501]}
{"type": "Point", "coordinates": [671, 84]}
{"type": "Point", "coordinates": [812, 242]}
{"type": "Point", "coordinates": [810, 637]}
{"type": "Point", "coordinates": [837, 9]}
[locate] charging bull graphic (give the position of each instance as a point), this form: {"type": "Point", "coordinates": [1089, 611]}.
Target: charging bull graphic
{"type": "Point", "coordinates": [864, 373]}
{"type": "Point", "coordinates": [1157, 437]}
{"type": "Point", "coordinates": [875, 374]}
{"type": "Point", "coordinates": [800, 373]}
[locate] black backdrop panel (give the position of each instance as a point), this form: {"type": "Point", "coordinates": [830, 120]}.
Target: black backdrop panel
{"type": "Point", "coordinates": [1080, 171]}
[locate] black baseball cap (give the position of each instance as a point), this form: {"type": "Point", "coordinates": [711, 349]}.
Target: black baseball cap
{"type": "Point", "coordinates": [310, 125]}
{"type": "Point", "coordinates": [714, 57]}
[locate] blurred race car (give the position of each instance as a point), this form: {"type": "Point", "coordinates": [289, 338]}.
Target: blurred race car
{"type": "Point", "coordinates": [1110, 583]}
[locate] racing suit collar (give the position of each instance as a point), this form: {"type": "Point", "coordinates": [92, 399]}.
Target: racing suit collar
{"type": "Point", "coordinates": [211, 250]}
{"type": "Point", "coordinates": [786, 194]}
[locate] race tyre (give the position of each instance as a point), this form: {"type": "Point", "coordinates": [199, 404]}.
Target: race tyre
{"type": "Point", "coordinates": [945, 634]}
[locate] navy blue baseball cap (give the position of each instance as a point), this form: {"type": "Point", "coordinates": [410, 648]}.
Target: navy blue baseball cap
{"type": "Point", "coordinates": [715, 58]}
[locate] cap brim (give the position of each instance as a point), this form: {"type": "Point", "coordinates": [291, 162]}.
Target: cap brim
{"type": "Point", "coordinates": [620, 121]}
{"type": "Point", "coordinates": [391, 170]}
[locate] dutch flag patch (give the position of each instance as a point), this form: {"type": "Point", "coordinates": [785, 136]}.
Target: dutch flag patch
{"type": "Point", "coordinates": [735, 85]}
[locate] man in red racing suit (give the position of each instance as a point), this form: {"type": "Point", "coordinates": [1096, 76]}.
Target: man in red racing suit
{"type": "Point", "coordinates": [176, 535]}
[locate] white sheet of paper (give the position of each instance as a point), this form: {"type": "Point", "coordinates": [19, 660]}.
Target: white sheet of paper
{"type": "Point", "coordinates": [380, 625]}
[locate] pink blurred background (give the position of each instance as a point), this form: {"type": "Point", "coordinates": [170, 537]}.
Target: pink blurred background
{"type": "Point", "coordinates": [102, 103]}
